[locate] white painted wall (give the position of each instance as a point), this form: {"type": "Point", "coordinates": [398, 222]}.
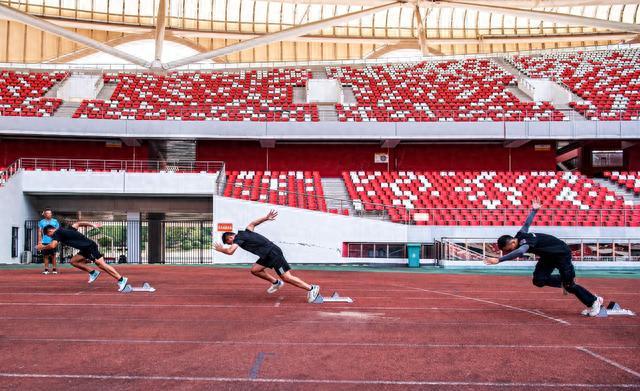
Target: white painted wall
{"type": "Point", "coordinates": [78, 87]}
{"type": "Point", "coordinates": [545, 90]}
{"type": "Point", "coordinates": [117, 182]}
{"type": "Point", "coordinates": [305, 236]}
{"type": "Point", "coordinates": [14, 210]}
{"type": "Point", "coordinates": [324, 91]}
{"type": "Point", "coordinates": [324, 130]}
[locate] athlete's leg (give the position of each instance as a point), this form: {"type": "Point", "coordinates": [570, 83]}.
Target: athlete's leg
{"type": "Point", "coordinates": [79, 261]}
{"type": "Point", "coordinates": [45, 260]}
{"type": "Point", "coordinates": [567, 276]}
{"type": "Point", "coordinates": [293, 280]}
{"type": "Point", "coordinates": [261, 272]}
{"type": "Point", "coordinates": [542, 274]}
{"type": "Point", "coordinates": [107, 268]}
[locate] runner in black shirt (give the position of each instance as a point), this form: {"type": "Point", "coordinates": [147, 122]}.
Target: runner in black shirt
{"type": "Point", "coordinates": [554, 254]}
{"type": "Point", "coordinates": [89, 251]}
{"type": "Point", "coordinates": [270, 257]}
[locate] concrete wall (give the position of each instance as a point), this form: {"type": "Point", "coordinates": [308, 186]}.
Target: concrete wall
{"type": "Point", "coordinates": [315, 237]}
{"type": "Point", "coordinates": [579, 129]}
{"type": "Point", "coordinates": [305, 236]}
{"type": "Point", "coordinates": [14, 210]}
{"type": "Point", "coordinates": [119, 182]}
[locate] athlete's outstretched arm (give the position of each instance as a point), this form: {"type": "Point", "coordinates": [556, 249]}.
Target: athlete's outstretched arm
{"type": "Point", "coordinates": [517, 253]}
{"type": "Point", "coordinates": [53, 244]}
{"type": "Point", "coordinates": [269, 217]}
{"type": "Point", "coordinates": [527, 223]}
{"type": "Point", "coordinates": [225, 250]}
{"type": "Point", "coordinates": [79, 224]}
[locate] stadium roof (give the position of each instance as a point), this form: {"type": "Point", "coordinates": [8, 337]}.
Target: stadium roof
{"type": "Point", "coordinates": [59, 31]}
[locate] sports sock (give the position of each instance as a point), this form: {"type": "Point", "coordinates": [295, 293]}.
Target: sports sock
{"type": "Point", "coordinates": [121, 279]}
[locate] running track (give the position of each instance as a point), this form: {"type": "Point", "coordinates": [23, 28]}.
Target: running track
{"type": "Point", "coordinates": [216, 328]}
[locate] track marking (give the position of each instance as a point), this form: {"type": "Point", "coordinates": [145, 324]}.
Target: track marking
{"type": "Point", "coordinates": [326, 321]}
{"type": "Point", "coordinates": [110, 341]}
{"type": "Point", "coordinates": [257, 364]}
{"type": "Point", "coordinates": [498, 304]}
{"type": "Point", "coordinates": [608, 361]}
{"type": "Point", "coordinates": [317, 381]}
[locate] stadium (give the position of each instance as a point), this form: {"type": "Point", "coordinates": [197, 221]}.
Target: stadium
{"type": "Point", "coordinates": [319, 194]}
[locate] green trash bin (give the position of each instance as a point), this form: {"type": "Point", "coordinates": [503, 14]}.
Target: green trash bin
{"type": "Point", "coordinates": [413, 251]}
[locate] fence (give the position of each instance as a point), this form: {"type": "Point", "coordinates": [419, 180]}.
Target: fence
{"type": "Point", "coordinates": [144, 241]}
{"type": "Point", "coordinates": [139, 166]}
{"type": "Point", "coordinates": [582, 249]}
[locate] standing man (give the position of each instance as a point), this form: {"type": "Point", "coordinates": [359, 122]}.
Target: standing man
{"type": "Point", "coordinates": [270, 257]}
{"type": "Point", "coordinates": [48, 255]}
{"type": "Point", "coordinates": [89, 251]}
{"type": "Point", "coordinates": [554, 254]}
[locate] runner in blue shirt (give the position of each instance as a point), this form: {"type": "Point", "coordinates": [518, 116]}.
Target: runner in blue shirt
{"type": "Point", "coordinates": [48, 255]}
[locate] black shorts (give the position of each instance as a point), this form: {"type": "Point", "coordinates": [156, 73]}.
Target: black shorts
{"type": "Point", "coordinates": [276, 261]}
{"type": "Point", "coordinates": [91, 253]}
{"type": "Point", "coordinates": [48, 252]}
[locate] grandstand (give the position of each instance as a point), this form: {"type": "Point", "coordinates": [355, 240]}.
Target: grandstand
{"type": "Point", "coordinates": [386, 134]}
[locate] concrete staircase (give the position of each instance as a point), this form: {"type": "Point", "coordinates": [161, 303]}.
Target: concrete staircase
{"type": "Point", "coordinates": [106, 92]}
{"type": "Point", "coordinates": [66, 109]}
{"type": "Point", "coordinates": [620, 191]}
{"type": "Point", "coordinates": [327, 112]}
{"type": "Point", "coordinates": [319, 73]}
{"type": "Point", "coordinates": [337, 195]}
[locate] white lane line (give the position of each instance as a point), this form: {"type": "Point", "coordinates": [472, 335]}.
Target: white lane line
{"type": "Point", "coordinates": [211, 379]}
{"type": "Point", "coordinates": [324, 321]}
{"type": "Point", "coordinates": [495, 303]}
{"type": "Point", "coordinates": [108, 341]}
{"type": "Point", "coordinates": [241, 305]}
{"type": "Point", "coordinates": [608, 361]}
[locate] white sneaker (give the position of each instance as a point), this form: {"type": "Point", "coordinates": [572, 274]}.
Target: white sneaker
{"type": "Point", "coordinates": [45, 272]}
{"type": "Point", "coordinates": [54, 272]}
{"type": "Point", "coordinates": [594, 310]}
{"type": "Point", "coordinates": [313, 293]}
{"type": "Point", "coordinates": [94, 276]}
{"type": "Point", "coordinates": [274, 287]}
{"type": "Point", "coordinates": [122, 284]}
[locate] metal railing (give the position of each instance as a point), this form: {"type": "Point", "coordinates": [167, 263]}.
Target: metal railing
{"type": "Point", "coordinates": [437, 216]}
{"type": "Point", "coordinates": [141, 166]}
{"type": "Point", "coordinates": [582, 249]}
{"type": "Point", "coordinates": [154, 241]}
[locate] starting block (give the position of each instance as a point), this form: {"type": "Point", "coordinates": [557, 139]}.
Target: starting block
{"type": "Point", "coordinates": [614, 309]}
{"type": "Point", "coordinates": [335, 298]}
{"type": "Point", "coordinates": [146, 287]}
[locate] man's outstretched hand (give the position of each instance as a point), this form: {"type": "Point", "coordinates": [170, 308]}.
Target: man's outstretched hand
{"type": "Point", "coordinates": [272, 215]}
{"type": "Point", "coordinates": [537, 204]}
{"type": "Point", "coordinates": [490, 261]}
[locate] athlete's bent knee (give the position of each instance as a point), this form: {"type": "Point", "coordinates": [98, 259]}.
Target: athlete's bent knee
{"type": "Point", "coordinates": [539, 282]}
{"type": "Point", "coordinates": [569, 286]}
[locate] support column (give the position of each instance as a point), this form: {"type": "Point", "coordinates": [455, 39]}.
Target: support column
{"type": "Point", "coordinates": [133, 237]}
{"type": "Point", "coordinates": [156, 238]}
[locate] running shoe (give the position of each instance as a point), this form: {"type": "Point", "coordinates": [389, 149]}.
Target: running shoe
{"type": "Point", "coordinates": [54, 271]}
{"type": "Point", "coordinates": [93, 276]}
{"type": "Point", "coordinates": [595, 307]}
{"type": "Point", "coordinates": [313, 293]}
{"type": "Point", "coordinates": [45, 271]}
{"type": "Point", "coordinates": [122, 284]}
{"type": "Point", "coordinates": [274, 287]}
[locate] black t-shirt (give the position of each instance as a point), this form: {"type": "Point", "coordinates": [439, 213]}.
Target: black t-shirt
{"type": "Point", "coordinates": [72, 238]}
{"type": "Point", "coordinates": [543, 245]}
{"type": "Point", "coordinates": [254, 243]}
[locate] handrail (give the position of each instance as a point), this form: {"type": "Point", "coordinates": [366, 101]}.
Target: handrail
{"type": "Point", "coordinates": [176, 166]}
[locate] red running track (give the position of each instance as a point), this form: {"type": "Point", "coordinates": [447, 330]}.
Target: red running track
{"type": "Point", "coordinates": [212, 328]}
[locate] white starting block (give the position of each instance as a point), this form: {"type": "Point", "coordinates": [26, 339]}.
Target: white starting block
{"type": "Point", "coordinates": [335, 298]}
{"type": "Point", "coordinates": [146, 287]}
{"type": "Point", "coordinates": [614, 309]}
